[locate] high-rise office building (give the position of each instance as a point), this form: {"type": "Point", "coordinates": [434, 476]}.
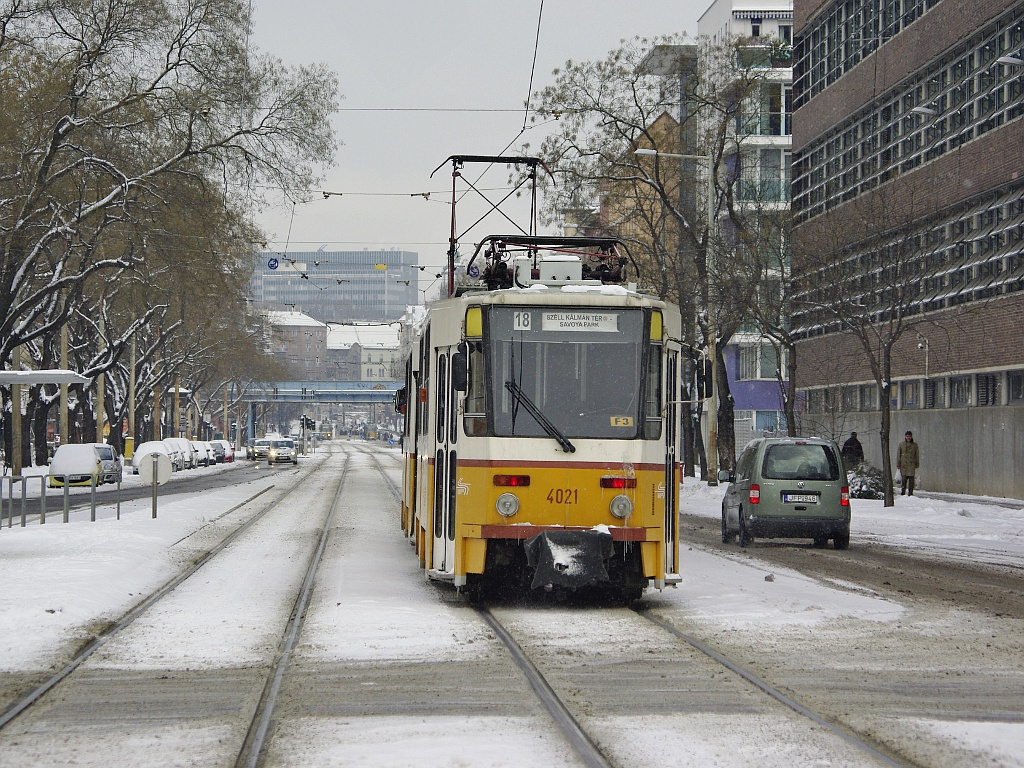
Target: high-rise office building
{"type": "Point", "coordinates": [338, 285]}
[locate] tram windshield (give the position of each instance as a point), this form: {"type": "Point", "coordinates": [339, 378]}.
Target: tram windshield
{"type": "Point", "coordinates": [580, 367]}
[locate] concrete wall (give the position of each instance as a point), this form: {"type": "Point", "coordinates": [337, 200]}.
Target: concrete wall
{"type": "Point", "coordinates": [977, 451]}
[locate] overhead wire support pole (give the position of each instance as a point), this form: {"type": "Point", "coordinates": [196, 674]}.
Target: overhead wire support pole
{"type": "Point", "coordinates": [458, 161]}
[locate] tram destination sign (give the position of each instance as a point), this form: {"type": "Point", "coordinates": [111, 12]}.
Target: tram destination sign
{"type": "Point", "coordinates": [580, 321]}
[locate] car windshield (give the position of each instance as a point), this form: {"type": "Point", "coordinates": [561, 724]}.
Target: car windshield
{"type": "Point", "coordinates": [105, 452]}
{"type": "Point", "coordinates": [262, 443]}
{"type": "Point", "coordinates": [281, 444]}
{"type": "Point", "coordinates": [800, 461]}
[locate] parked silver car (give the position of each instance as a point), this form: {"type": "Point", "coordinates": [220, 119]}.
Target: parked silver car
{"type": "Point", "coordinates": [110, 459]}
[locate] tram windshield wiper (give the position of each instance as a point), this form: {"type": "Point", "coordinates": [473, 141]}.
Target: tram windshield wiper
{"type": "Point", "coordinates": [539, 417]}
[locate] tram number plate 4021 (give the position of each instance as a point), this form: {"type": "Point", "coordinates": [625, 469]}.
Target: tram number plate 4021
{"type": "Point", "coordinates": [563, 496]}
{"type": "Point", "coordinates": [800, 498]}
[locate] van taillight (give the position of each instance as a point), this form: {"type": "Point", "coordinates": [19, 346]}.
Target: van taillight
{"type": "Point", "coordinates": [755, 493]}
{"type": "Point", "coordinates": [844, 497]}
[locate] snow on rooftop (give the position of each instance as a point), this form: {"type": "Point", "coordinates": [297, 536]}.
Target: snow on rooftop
{"type": "Point", "coordinates": [275, 317]}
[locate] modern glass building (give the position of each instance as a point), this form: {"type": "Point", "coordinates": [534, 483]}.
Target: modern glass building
{"type": "Point", "coordinates": [338, 286]}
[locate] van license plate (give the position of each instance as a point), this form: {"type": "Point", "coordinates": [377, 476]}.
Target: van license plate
{"type": "Point", "coordinates": [800, 498]}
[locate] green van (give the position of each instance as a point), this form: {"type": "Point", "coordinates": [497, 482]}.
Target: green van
{"type": "Point", "coordinates": [787, 487]}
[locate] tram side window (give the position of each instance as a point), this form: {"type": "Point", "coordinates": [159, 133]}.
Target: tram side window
{"type": "Point", "coordinates": [475, 404]}
{"type": "Point", "coordinates": [652, 407]}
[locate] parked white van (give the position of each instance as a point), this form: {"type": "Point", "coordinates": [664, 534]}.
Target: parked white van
{"type": "Point", "coordinates": [147, 448]}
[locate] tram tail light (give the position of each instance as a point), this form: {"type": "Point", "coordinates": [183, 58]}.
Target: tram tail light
{"type": "Point", "coordinates": [512, 480]}
{"type": "Point", "coordinates": [755, 493]}
{"type": "Point", "coordinates": [618, 482]}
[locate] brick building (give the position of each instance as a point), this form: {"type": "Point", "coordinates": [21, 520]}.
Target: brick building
{"type": "Point", "coordinates": [908, 167]}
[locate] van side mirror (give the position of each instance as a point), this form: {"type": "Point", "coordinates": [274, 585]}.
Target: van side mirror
{"type": "Point", "coordinates": [725, 476]}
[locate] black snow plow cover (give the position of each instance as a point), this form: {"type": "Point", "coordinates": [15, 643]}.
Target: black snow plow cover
{"type": "Point", "coordinates": [570, 559]}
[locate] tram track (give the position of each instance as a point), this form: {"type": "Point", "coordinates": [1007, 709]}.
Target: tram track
{"type": "Point", "coordinates": [573, 708]}
{"type": "Point", "coordinates": [570, 719]}
{"type": "Point", "coordinates": [563, 713]}
{"type": "Point", "coordinates": [252, 748]}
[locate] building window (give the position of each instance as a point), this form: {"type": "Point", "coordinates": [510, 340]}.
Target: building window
{"type": "Point", "coordinates": [1015, 387]}
{"type": "Point", "coordinates": [869, 397]}
{"type": "Point", "coordinates": [769, 421]}
{"type": "Point", "coordinates": [959, 391]}
{"type": "Point", "coordinates": [910, 394]}
{"type": "Point", "coordinates": [989, 391]}
{"type": "Point", "coordinates": [935, 393]}
{"type": "Point", "coordinates": [814, 401]}
{"type": "Point", "coordinates": [849, 399]}
{"type": "Point", "coordinates": [758, 361]}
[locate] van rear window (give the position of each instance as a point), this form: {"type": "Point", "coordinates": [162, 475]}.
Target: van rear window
{"type": "Point", "coordinates": [800, 462]}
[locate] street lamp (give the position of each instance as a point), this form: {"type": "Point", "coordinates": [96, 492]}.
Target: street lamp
{"type": "Point", "coordinates": [712, 345]}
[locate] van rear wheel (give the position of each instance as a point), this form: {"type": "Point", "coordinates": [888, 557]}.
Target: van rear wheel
{"type": "Point", "coordinates": [726, 535]}
{"type": "Point", "coordinates": [745, 537]}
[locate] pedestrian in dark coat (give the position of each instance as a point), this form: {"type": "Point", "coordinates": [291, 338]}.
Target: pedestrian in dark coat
{"type": "Point", "coordinates": [908, 459]}
{"type": "Point", "coordinates": [853, 451]}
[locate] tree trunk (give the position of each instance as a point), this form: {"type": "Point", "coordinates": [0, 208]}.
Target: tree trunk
{"type": "Point", "coordinates": [885, 402]}
{"type": "Point", "coordinates": [789, 401]}
{"type": "Point", "coordinates": [726, 418]}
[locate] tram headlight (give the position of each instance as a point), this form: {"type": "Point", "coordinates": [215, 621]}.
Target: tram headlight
{"type": "Point", "coordinates": [507, 504]}
{"type": "Point", "coordinates": [621, 507]}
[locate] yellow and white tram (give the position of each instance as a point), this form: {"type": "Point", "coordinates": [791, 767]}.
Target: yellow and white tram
{"type": "Point", "coordinates": [540, 435]}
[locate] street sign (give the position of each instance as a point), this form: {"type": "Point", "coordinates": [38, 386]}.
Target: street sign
{"type": "Point", "coordinates": [157, 464]}
{"type": "Point", "coordinates": [273, 263]}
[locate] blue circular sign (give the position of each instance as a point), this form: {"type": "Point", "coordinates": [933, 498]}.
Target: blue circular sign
{"type": "Point", "coordinates": [272, 263]}
{"type": "Point", "coordinates": [474, 271]}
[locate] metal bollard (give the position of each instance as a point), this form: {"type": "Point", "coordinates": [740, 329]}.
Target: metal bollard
{"type": "Point", "coordinates": [67, 500]}
{"type": "Point", "coordinates": [42, 499]}
{"type": "Point", "coordinates": [24, 501]}
{"type": "Point", "coordinates": [92, 498]}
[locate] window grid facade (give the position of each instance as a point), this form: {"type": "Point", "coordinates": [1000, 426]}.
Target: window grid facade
{"type": "Point", "coordinates": [846, 34]}
{"type": "Point", "coordinates": [971, 256]}
{"type": "Point", "coordinates": [968, 95]}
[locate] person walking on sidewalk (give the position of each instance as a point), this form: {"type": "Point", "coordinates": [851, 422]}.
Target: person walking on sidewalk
{"type": "Point", "coordinates": [908, 459]}
{"type": "Point", "coordinates": [853, 452]}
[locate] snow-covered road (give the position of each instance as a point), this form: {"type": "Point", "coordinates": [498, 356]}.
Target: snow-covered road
{"type": "Point", "coordinates": [62, 580]}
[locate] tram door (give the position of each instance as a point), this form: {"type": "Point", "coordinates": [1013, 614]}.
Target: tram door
{"type": "Point", "coordinates": [445, 429]}
{"type": "Point", "coordinates": [671, 455]}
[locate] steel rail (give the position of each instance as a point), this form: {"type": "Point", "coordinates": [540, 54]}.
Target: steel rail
{"type": "Point", "coordinates": [252, 749]}
{"type": "Point", "coordinates": [140, 608]}
{"type": "Point", "coordinates": [587, 750]}
{"type": "Point", "coordinates": [764, 687]}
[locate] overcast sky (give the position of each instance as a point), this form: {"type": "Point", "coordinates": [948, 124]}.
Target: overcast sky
{"type": "Point", "coordinates": [393, 55]}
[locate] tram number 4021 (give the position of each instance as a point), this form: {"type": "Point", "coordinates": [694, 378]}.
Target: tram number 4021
{"type": "Point", "coordinates": [563, 496]}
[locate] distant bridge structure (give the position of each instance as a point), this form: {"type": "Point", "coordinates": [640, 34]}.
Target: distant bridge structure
{"type": "Point", "coordinates": [324, 392]}
{"type": "Point", "coordinates": [315, 392]}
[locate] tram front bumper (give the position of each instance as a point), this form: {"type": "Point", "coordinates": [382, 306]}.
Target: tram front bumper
{"type": "Point", "coordinates": [568, 558]}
